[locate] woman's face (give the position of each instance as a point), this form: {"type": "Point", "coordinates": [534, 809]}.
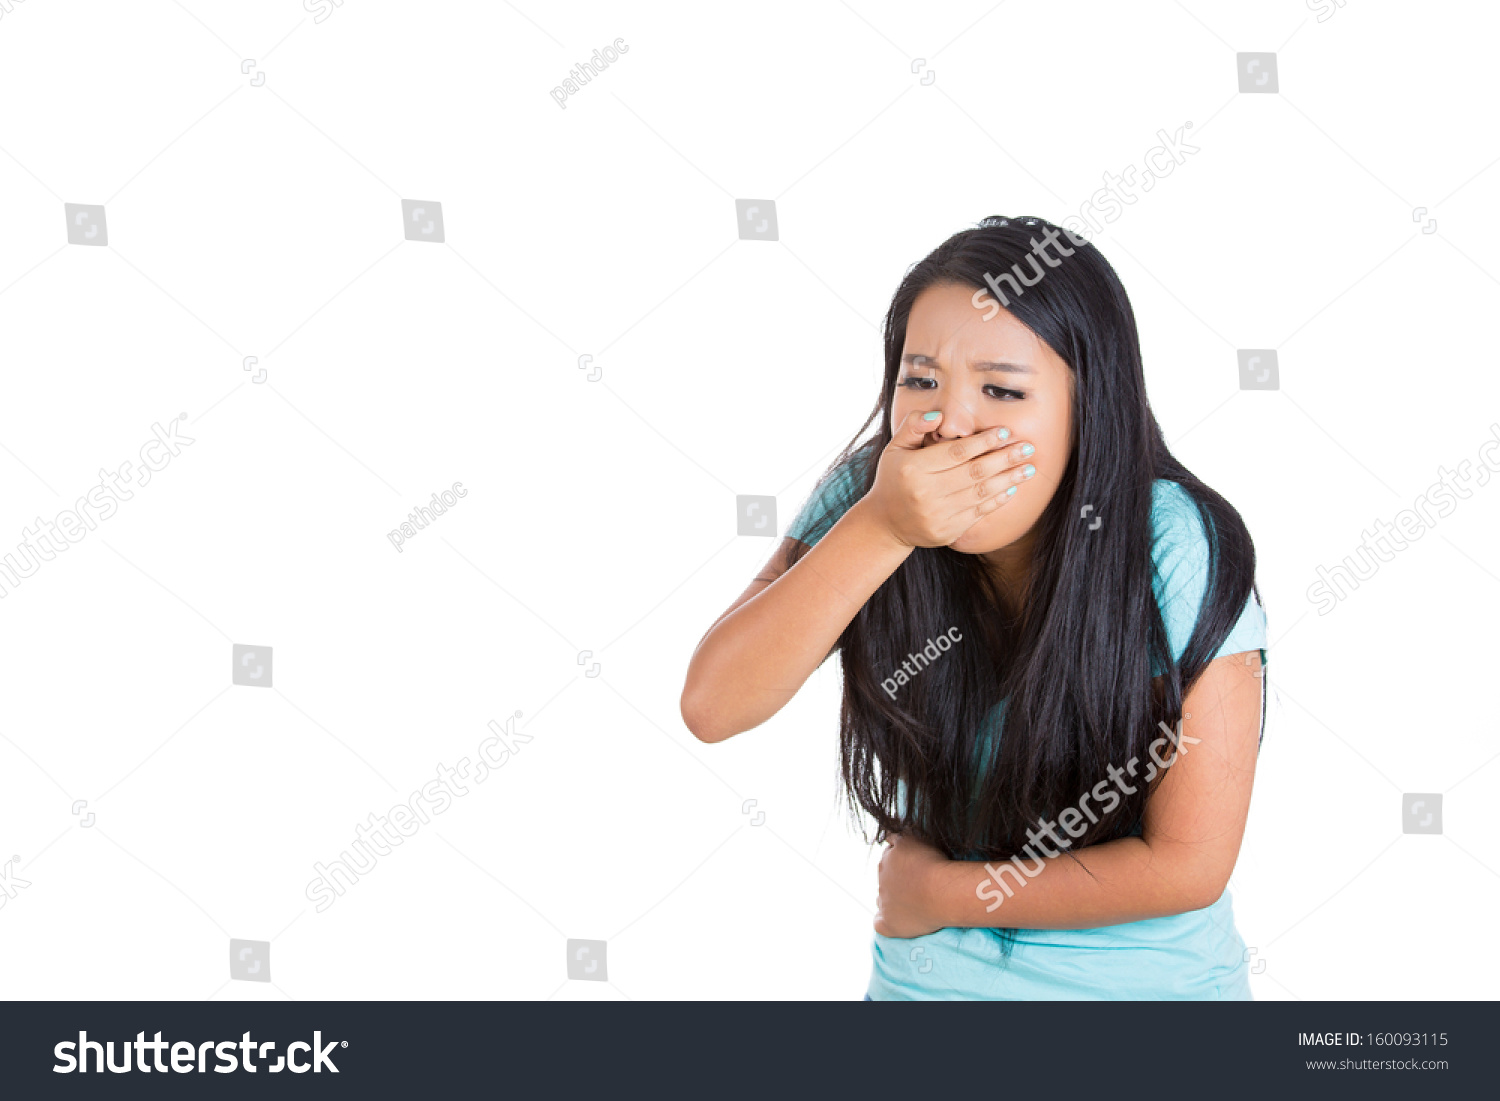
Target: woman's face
{"type": "Point", "coordinates": [983, 375]}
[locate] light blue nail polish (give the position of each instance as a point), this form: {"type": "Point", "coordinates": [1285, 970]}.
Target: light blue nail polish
{"type": "Point", "coordinates": [1026, 449]}
{"type": "Point", "coordinates": [1004, 433]}
{"type": "Point", "coordinates": [1028, 470]}
{"type": "Point", "coordinates": [1011, 492]}
{"type": "Point", "coordinates": [931, 416]}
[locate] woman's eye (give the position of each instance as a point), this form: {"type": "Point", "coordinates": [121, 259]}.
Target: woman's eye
{"type": "Point", "coordinates": [999, 393]}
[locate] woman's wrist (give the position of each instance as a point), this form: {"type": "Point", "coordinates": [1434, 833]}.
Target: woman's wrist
{"type": "Point", "coordinates": [874, 526]}
{"type": "Point", "coordinates": [941, 892]}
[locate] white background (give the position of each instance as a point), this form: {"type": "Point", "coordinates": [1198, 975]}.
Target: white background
{"type": "Point", "coordinates": [266, 221]}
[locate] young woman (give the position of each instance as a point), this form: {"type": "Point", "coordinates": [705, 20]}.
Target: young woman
{"type": "Point", "coordinates": [1096, 600]}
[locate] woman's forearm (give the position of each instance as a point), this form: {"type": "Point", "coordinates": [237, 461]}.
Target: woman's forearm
{"type": "Point", "coordinates": [756, 658]}
{"type": "Point", "coordinates": [1130, 881]}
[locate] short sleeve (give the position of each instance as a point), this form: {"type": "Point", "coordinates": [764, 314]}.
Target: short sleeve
{"type": "Point", "coordinates": [833, 497]}
{"type": "Point", "coordinates": [1180, 554]}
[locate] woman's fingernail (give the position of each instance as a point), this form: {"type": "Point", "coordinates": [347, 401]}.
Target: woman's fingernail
{"type": "Point", "coordinates": [931, 416]}
{"type": "Point", "coordinates": [1026, 449]}
{"type": "Point", "coordinates": [1011, 492]}
{"type": "Point", "coordinates": [1028, 470]}
{"type": "Point", "coordinates": [1004, 433]}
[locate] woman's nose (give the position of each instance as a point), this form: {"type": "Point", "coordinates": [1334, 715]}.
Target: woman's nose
{"type": "Point", "coordinates": [958, 420]}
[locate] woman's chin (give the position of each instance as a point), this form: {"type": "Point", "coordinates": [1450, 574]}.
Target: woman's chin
{"type": "Point", "coordinates": [969, 543]}
{"type": "Point", "coordinates": [981, 538]}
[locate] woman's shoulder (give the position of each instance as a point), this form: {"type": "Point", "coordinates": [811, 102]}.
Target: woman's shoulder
{"type": "Point", "coordinates": [1170, 501]}
{"type": "Point", "coordinates": [1180, 553]}
{"type": "Point", "coordinates": [834, 494]}
{"type": "Point", "coordinates": [1179, 545]}
{"type": "Point", "coordinates": [851, 470]}
{"type": "Point", "coordinates": [1176, 524]}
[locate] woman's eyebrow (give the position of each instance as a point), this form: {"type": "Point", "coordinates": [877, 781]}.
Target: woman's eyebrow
{"type": "Point", "coordinates": [986, 365]}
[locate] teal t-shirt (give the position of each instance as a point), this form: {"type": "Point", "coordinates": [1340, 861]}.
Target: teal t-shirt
{"type": "Point", "coordinates": [1193, 955]}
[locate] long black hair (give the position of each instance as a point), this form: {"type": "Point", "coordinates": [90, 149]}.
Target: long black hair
{"type": "Point", "coordinates": [1072, 657]}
